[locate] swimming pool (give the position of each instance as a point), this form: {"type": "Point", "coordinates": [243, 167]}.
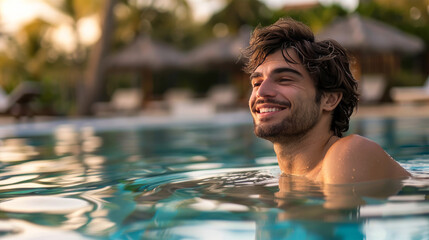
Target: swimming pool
{"type": "Point", "coordinates": [159, 178]}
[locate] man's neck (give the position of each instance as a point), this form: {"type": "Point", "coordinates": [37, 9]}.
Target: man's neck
{"type": "Point", "coordinates": [304, 155]}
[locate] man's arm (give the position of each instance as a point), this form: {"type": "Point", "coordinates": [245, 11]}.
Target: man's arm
{"type": "Point", "coordinates": [357, 159]}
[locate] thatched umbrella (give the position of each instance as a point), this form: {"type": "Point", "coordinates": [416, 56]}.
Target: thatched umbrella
{"type": "Point", "coordinates": [376, 47]}
{"type": "Point", "coordinates": [223, 51]}
{"type": "Point", "coordinates": [363, 34]}
{"type": "Point", "coordinates": [224, 55]}
{"type": "Point", "coordinates": [145, 56]}
{"type": "Point", "coordinates": [145, 53]}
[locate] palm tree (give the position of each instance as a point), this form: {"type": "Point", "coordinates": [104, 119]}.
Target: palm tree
{"type": "Point", "coordinates": [76, 10]}
{"type": "Point", "coordinates": [27, 52]}
{"type": "Point", "coordinates": [93, 84]}
{"type": "Point", "coordinates": [238, 13]}
{"type": "Point", "coordinates": [170, 22]}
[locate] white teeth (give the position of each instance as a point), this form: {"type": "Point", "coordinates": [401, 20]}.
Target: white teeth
{"type": "Point", "coordinates": [265, 110]}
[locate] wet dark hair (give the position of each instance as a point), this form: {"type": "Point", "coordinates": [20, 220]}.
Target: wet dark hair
{"type": "Point", "coordinates": [326, 61]}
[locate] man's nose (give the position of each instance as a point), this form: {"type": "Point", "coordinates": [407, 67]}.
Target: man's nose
{"type": "Point", "coordinates": [266, 89]}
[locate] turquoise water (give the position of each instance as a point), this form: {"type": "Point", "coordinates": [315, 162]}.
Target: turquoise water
{"type": "Point", "coordinates": [134, 178]}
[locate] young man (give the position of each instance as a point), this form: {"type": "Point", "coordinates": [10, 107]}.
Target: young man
{"type": "Point", "coordinates": [302, 98]}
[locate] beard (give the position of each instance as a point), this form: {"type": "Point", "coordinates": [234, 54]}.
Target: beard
{"type": "Point", "coordinates": [295, 126]}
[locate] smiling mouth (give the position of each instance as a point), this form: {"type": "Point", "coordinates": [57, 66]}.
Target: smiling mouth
{"type": "Point", "coordinates": [266, 107]}
{"type": "Point", "coordinates": [268, 110]}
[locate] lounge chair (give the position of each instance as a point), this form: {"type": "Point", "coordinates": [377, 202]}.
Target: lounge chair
{"type": "Point", "coordinates": [18, 102]}
{"type": "Point", "coordinates": [126, 101]}
{"type": "Point", "coordinates": [224, 97]}
{"type": "Point", "coordinates": [372, 87]}
{"type": "Point", "coordinates": [410, 94]}
{"type": "Point", "coordinates": [182, 104]}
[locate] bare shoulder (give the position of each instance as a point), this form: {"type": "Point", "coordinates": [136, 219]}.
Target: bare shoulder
{"type": "Point", "coordinates": [358, 159]}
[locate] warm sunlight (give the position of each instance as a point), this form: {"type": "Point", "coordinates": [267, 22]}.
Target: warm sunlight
{"type": "Point", "coordinates": [89, 29]}
{"type": "Point", "coordinates": [16, 13]}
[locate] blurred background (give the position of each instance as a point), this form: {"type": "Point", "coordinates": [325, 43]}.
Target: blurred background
{"type": "Point", "coordinates": [182, 57]}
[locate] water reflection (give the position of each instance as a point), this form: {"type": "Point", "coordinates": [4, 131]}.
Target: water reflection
{"type": "Point", "coordinates": [111, 207]}
{"type": "Point", "coordinates": [30, 169]}
{"type": "Point", "coordinates": [69, 140]}
{"type": "Point", "coordinates": [314, 210]}
{"type": "Point", "coordinates": [353, 195]}
{"type": "Point", "coordinates": [403, 138]}
{"type": "Point", "coordinates": [176, 181]}
{"type": "Point", "coordinates": [19, 229]}
{"type": "Point", "coordinates": [44, 204]}
{"type": "Point", "coordinates": [66, 213]}
{"type": "Point", "coordinates": [397, 228]}
{"type": "Point", "coordinates": [17, 179]}
{"type": "Point", "coordinates": [16, 149]}
{"type": "Point", "coordinates": [279, 205]}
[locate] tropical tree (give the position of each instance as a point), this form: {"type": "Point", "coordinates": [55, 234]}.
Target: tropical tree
{"type": "Point", "coordinates": [91, 89]}
{"type": "Point", "coordinates": [410, 16]}
{"type": "Point", "coordinates": [76, 10]}
{"type": "Point", "coordinates": [28, 50]}
{"type": "Point", "coordinates": [11, 62]}
{"type": "Point", "coordinates": [316, 17]}
{"type": "Point", "coordinates": [236, 14]}
{"type": "Point", "coordinates": [169, 21]}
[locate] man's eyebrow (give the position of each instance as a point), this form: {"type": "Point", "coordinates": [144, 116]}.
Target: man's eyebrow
{"type": "Point", "coordinates": [286, 69]}
{"type": "Point", "coordinates": [255, 75]}
{"type": "Point", "coordinates": [277, 71]}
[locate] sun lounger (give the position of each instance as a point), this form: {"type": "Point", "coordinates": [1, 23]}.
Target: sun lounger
{"type": "Point", "coordinates": [410, 94]}
{"type": "Point", "coordinates": [124, 101]}
{"type": "Point", "coordinates": [18, 102]}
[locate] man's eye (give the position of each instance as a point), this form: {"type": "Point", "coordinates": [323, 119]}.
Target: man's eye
{"type": "Point", "coordinates": [256, 84]}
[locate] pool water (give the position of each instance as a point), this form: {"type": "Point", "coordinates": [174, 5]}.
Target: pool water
{"type": "Point", "coordinates": [134, 178]}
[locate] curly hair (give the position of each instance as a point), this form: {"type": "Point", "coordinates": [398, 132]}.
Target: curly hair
{"type": "Point", "coordinates": [326, 61]}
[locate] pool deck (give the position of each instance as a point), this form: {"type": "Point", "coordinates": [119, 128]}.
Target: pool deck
{"type": "Point", "coordinates": [411, 110]}
{"type": "Point", "coordinates": [363, 111]}
{"type": "Point", "coordinates": [10, 127]}
{"type": "Point", "coordinates": [152, 118]}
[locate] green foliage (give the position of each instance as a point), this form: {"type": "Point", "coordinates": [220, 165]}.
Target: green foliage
{"type": "Point", "coordinates": [399, 16]}
{"type": "Point", "coordinates": [76, 9]}
{"type": "Point", "coordinates": [173, 25]}
{"type": "Point", "coordinates": [238, 13]}
{"type": "Point", "coordinates": [406, 78]}
{"type": "Point", "coordinates": [316, 17]}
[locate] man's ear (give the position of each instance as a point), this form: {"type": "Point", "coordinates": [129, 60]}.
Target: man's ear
{"type": "Point", "coordinates": [330, 100]}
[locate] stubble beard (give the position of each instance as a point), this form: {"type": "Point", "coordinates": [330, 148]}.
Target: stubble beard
{"type": "Point", "coordinates": [292, 128]}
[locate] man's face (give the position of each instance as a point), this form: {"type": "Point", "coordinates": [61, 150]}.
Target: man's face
{"type": "Point", "coordinates": [283, 99]}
